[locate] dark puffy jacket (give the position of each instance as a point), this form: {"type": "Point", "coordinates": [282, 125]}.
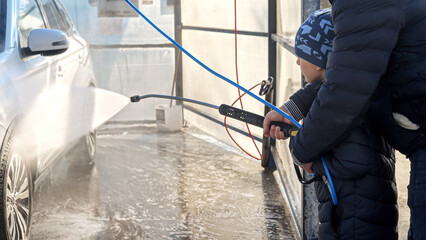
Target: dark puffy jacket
{"type": "Point", "coordinates": [378, 43]}
{"type": "Point", "coordinates": [362, 167]}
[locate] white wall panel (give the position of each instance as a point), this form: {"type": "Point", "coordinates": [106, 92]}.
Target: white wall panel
{"type": "Point", "coordinates": [252, 15]}
{"type": "Point", "coordinates": [216, 50]}
{"type": "Point", "coordinates": [289, 15]}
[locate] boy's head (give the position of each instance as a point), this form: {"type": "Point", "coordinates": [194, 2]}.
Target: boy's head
{"type": "Point", "coordinates": [313, 44]}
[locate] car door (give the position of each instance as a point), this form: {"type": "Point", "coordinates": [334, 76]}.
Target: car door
{"type": "Point", "coordinates": [29, 71]}
{"type": "Point", "coordinates": [65, 67]}
{"type": "Point", "coordinates": [62, 66]}
{"type": "Point", "coordinates": [84, 75]}
{"type": "Point", "coordinates": [68, 63]}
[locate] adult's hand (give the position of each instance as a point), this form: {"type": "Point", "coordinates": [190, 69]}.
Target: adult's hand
{"type": "Point", "coordinates": [307, 168]}
{"type": "Point", "coordinates": [274, 131]}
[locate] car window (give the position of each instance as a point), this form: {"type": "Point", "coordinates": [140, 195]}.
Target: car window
{"type": "Point", "coordinates": [2, 24]}
{"type": "Point", "coordinates": [65, 17]}
{"type": "Point", "coordinates": [29, 19]}
{"type": "Point", "coordinates": [54, 18]}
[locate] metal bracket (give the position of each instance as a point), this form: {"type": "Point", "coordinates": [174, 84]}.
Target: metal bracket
{"type": "Point", "coordinates": [266, 86]}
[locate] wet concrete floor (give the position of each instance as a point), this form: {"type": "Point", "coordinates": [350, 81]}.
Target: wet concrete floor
{"type": "Point", "coordinates": [148, 185]}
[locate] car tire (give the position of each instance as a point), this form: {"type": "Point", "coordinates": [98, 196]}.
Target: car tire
{"type": "Point", "coordinates": [15, 192]}
{"type": "Point", "coordinates": [85, 149]}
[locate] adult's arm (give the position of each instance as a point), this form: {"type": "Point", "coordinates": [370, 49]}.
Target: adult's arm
{"type": "Point", "coordinates": [366, 32]}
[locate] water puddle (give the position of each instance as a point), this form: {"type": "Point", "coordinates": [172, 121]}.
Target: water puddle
{"type": "Point", "coordinates": [149, 185]}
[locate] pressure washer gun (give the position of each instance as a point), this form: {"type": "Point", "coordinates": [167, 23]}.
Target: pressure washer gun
{"type": "Point", "coordinates": [232, 112]}
{"type": "Point", "coordinates": [256, 120]}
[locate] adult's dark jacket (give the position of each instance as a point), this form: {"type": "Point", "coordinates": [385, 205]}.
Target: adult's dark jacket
{"type": "Point", "coordinates": [378, 65]}
{"type": "Point", "coordinates": [362, 167]}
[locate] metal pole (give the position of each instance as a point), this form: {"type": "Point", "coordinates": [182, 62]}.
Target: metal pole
{"type": "Point", "coordinates": [178, 57]}
{"type": "Point", "coordinates": [272, 72]}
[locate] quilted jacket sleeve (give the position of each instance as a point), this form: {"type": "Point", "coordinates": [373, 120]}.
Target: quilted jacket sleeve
{"type": "Point", "coordinates": [366, 33]}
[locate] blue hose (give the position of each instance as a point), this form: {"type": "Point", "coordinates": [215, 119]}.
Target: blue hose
{"type": "Point", "coordinates": [333, 193]}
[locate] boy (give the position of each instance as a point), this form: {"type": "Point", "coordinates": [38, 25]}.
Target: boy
{"type": "Point", "coordinates": [362, 166]}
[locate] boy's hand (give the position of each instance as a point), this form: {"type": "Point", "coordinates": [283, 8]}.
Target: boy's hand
{"type": "Point", "coordinates": [275, 132]}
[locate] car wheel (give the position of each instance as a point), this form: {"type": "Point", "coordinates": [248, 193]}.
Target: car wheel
{"type": "Point", "coordinates": [16, 191]}
{"type": "Point", "coordinates": [85, 149]}
{"type": "Point", "coordinates": [90, 148]}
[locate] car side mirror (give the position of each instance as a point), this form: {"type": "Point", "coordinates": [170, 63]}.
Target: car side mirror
{"type": "Point", "coordinates": [47, 42]}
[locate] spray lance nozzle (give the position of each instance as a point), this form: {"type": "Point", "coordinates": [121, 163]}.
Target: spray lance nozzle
{"type": "Point", "coordinates": [135, 99]}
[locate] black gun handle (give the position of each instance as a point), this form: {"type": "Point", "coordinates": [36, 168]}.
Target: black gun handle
{"type": "Point", "coordinates": [289, 130]}
{"type": "Point", "coordinates": [256, 120]}
{"type": "Point", "coordinates": [241, 115]}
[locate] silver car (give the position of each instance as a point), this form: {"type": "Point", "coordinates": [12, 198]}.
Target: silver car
{"type": "Point", "coordinates": [39, 48]}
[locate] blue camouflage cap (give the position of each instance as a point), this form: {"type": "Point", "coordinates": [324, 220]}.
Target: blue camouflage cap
{"type": "Point", "coordinates": [314, 38]}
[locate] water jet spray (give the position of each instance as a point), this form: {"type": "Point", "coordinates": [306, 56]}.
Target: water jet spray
{"type": "Point", "coordinates": [61, 115]}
